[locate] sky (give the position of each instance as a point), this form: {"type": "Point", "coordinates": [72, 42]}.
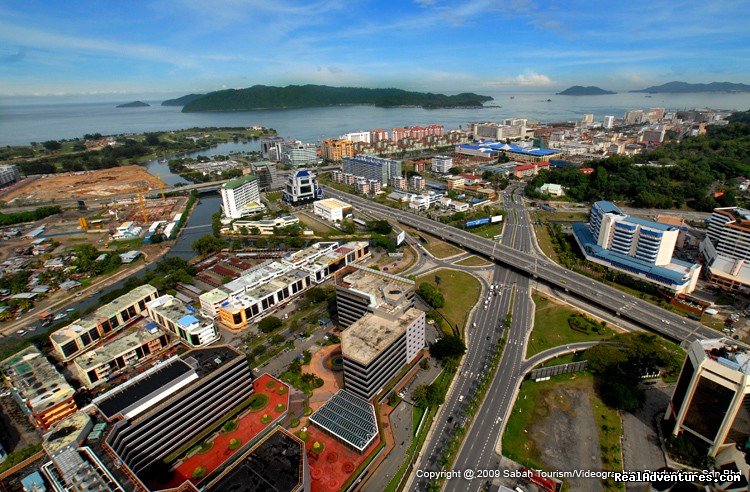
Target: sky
{"type": "Point", "coordinates": [101, 48]}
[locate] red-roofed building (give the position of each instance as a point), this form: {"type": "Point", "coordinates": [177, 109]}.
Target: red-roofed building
{"type": "Point", "coordinates": [531, 169]}
{"type": "Point", "coordinates": [587, 170]}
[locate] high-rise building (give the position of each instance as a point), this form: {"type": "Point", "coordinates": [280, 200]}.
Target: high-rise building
{"type": "Point", "coordinates": [378, 135]}
{"type": "Point", "coordinates": [223, 381]}
{"type": "Point", "coordinates": [241, 197]}
{"type": "Point", "coordinates": [416, 183]}
{"type": "Point", "coordinates": [355, 137]}
{"type": "Point", "coordinates": [302, 187]}
{"type": "Point", "coordinates": [270, 147]}
{"type": "Point", "coordinates": [726, 248]}
{"type": "Point", "coordinates": [174, 315]}
{"type": "Point", "coordinates": [398, 182]}
{"type": "Point", "coordinates": [711, 401]}
{"type": "Point", "coordinates": [655, 115]}
{"type": "Point", "coordinates": [384, 332]}
{"type": "Point", "coordinates": [296, 153]}
{"type": "Point", "coordinates": [39, 386]}
{"type": "Point", "coordinates": [639, 247]}
{"type": "Point", "coordinates": [634, 117]}
{"type": "Point", "coordinates": [588, 118]}
{"type": "Point", "coordinates": [609, 122]}
{"type": "Point", "coordinates": [8, 174]}
{"type": "Point", "coordinates": [336, 150]}
{"type": "Point", "coordinates": [441, 164]}
{"type": "Point", "coordinates": [372, 167]}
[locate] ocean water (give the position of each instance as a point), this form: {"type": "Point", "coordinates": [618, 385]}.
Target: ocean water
{"type": "Point", "coordinates": [21, 124]}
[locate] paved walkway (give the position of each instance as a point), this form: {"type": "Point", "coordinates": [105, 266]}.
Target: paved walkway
{"type": "Point", "coordinates": [333, 381]}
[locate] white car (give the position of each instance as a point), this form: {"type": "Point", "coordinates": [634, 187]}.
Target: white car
{"type": "Point", "coordinates": [474, 324]}
{"type": "Point", "coordinates": [461, 398]}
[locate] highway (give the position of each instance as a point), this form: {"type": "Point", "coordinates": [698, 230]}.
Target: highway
{"type": "Point", "coordinates": [641, 312]}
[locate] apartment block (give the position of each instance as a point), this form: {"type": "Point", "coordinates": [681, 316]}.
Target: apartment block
{"type": "Point", "coordinates": [44, 392]}
{"type": "Point", "coordinates": [86, 332]}
{"type": "Point", "coordinates": [442, 164]}
{"type": "Point", "coordinates": [726, 248]}
{"type": "Point", "coordinates": [336, 150]}
{"type": "Point", "coordinates": [372, 167]}
{"type": "Point", "coordinates": [296, 153]}
{"type": "Point", "coordinates": [241, 197]}
{"type": "Point", "coordinates": [190, 326]}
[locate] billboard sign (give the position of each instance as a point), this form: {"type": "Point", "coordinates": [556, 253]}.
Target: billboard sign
{"type": "Point", "coordinates": [496, 218]}
{"type": "Point", "coordinates": [400, 238]}
{"type": "Point", "coordinates": [478, 222]}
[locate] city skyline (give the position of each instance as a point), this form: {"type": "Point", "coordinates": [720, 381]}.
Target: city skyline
{"type": "Point", "coordinates": [182, 46]}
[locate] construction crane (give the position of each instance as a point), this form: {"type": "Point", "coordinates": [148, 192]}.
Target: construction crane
{"type": "Point", "coordinates": [83, 223]}
{"type": "Point", "coordinates": [161, 187]}
{"type": "Point", "coordinates": [142, 205]}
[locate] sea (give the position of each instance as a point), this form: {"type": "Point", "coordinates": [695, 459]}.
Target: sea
{"type": "Point", "coordinates": [21, 124]}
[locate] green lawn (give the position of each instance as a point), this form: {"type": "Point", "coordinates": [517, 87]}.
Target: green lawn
{"type": "Point", "coordinates": [488, 231]}
{"type": "Point", "coordinates": [473, 261]}
{"type": "Point", "coordinates": [551, 327]}
{"type": "Point", "coordinates": [461, 292]}
{"type": "Point", "coordinates": [438, 248]}
{"type": "Point", "coordinates": [531, 408]}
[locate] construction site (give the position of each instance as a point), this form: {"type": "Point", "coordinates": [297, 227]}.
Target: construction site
{"type": "Point", "coordinates": [117, 181]}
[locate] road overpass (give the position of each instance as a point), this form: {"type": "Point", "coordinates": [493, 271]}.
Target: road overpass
{"type": "Point", "coordinates": [643, 313]}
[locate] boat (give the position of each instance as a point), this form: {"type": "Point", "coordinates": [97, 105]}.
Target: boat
{"type": "Point", "coordinates": [549, 100]}
{"type": "Point", "coordinates": [512, 97]}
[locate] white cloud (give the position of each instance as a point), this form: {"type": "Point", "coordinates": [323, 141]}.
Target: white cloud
{"type": "Point", "coordinates": [532, 79]}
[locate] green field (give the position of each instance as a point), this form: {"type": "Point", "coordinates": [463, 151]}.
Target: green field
{"type": "Point", "coordinates": [438, 248]}
{"type": "Point", "coordinates": [473, 261]}
{"type": "Point", "coordinates": [461, 292]}
{"type": "Point", "coordinates": [551, 327]}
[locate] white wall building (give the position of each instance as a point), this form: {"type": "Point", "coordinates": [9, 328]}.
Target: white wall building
{"type": "Point", "coordinates": [609, 122]}
{"type": "Point", "coordinates": [172, 314]}
{"type": "Point", "coordinates": [357, 137]}
{"type": "Point", "coordinates": [240, 197]}
{"type": "Point", "coordinates": [8, 174]}
{"type": "Point", "coordinates": [726, 248]}
{"type": "Point", "coordinates": [332, 209]}
{"type": "Point", "coordinates": [301, 188]}
{"type": "Point", "coordinates": [441, 164]}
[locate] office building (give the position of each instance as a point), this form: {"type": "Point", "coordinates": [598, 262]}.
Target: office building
{"type": "Point", "coordinates": [726, 248]}
{"type": "Point", "coordinates": [46, 394]}
{"type": "Point", "coordinates": [653, 135]}
{"type": "Point", "coordinates": [241, 197]}
{"type": "Point", "coordinates": [301, 187]}
{"type": "Point", "coordinates": [361, 290]}
{"type": "Point", "coordinates": [8, 174]}
{"type": "Point", "coordinates": [634, 117]}
{"type": "Point", "coordinates": [552, 189]}
{"type": "Point", "coordinates": [336, 150]}
{"type": "Point", "coordinates": [277, 463]}
{"type": "Point", "coordinates": [270, 148]}
{"type": "Point", "coordinates": [508, 130]}
{"type": "Point", "coordinates": [224, 380]}
{"type": "Point", "coordinates": [711, 401]}
{"type": "Point", "coordinates": [265, 227]}
{"type": "Point", "coordinates": [295, 153]}
{"type": "Point", "coordinates": [609, 122]}
{"type": "Point", "coordinates": [639, 247]}
{"type": "Point", "coordinates": [588, 119]}
{"type": "Point", "coordinates": [190, 326]}
{"type": "Point", "coordinates": [441, 164]}
{"type": "Point", "coordinates": [332, 209]}
{"type": "Point", "coordinates": [372, 167]}
{"type": "Point", "coordinates": [139, 343]}
{"type": "Point", "coordinates": [355, 137]}
{"type": "Point", "coordinates": [86, 332]}
{"type": "Point", "coordinates": [655, 115]}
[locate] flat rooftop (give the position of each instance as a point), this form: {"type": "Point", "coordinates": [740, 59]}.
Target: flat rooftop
{"type": "Point", "coordinates": [728, 353]}
{"type": "Point", "coordinates": [137, 335]}
{"type": "Point", "coordinates": [332, 203]}
{"type": "Point", "coordinates": [387, 292]}
{"type": "Point", "coordinates": [89, 321]}
{"type": "Point", "coordinates": [236, 183]}
{"type": "Point", "coordinates": [371, 334]}
{"type": "Point", "coordinates": [67, 431]}
{"type": "Point", "coordinates": [274, 464]}
{"type": "Point", "coordinates": [37, 380]}
{"type": "Point", "coordinates": [141, 387]}
{"type": "Point", "coordinates": [349, 418]}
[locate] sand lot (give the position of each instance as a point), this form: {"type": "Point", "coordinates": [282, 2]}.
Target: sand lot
{"type": "Point", "coordinates": [87, 184]}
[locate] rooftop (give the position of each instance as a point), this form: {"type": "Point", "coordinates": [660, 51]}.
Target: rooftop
{"type": "Point", "coordinates": [608, 207]}
{"type": "Point", "coordinates": [650, 223]}
{"type": "Point", "coordinates": [237, 182]}
{"type": "Point", "coordinates": [348, 417]}
{"type": "Point", "coordinates": [142, 387]}
{"type": "Point", "coordinates": [91, 320]}
{"type": "Point", "coordinates": [275, 464]}
{"type": "Point", "coordinates": [139, 334]}
{"type": "Point", "coordinates": [332, 203]}
{"type": "Point", "coordinates": [728, 353]}
{"type": "Point", "coordinates": [70, 430]}
{"type": "Point", "coordinates": [36, 379]}
{"type": "Point", "coordinates": [371, 334]}
{"type": "Point", "coordinates": [388, 293]}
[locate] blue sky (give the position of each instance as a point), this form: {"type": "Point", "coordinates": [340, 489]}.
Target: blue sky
{"type": "Point", "coordinates": [55, 47]}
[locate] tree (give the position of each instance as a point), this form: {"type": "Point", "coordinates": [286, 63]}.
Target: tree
{"type": "Point", "coordinates": [52, 145]}
{"type": "Point", "coordinates": [455, 170]}
{"type": "Point", "coordinates": [216, 223]}
{"type": "Point", "coordinates": [152, 139]}
{"type": "Point", "coordinates": [207, 244]}
{"type": "Point", "coordinates": [269, 323]}
{"type": "Point", "coordinates": [449, 346]}
{"type": "Point", "coordinates": [379, 227]}
{"type": "Point", "coordinates": [431, 295]}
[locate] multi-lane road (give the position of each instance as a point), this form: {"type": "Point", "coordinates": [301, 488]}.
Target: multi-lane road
{"type": "Point", "coordinates": [641, 312]}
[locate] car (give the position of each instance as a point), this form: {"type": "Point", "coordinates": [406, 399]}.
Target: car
{"type": "Point", "coordinates": [21, 332]}
{"type": "Point", "coordinates": [450, 419]}
{"type": "Point", "coordinates": [70, 310]}
{"type": "Point", "coordinates": [474, 324]}
{"type": "Point", "coordinates": [79, 294]}
{"type": "Point", "coordinates": [461, 398]}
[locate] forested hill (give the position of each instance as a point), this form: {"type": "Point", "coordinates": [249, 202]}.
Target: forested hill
{"type": "Point", "coordinates": [181, 101]}
{"type": "Point", "coordinates": [701, 166]}
{"type": "Point", "coordinates": [308, 96]}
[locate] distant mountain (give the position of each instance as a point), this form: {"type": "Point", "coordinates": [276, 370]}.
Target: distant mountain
{"type": "Point", "coordinates": [685, 87]}
{"type": "Point", "coordinates": [134, 104]}
{"type": "Point", "coordinates": [579, 90]}
{"type": "Point", "coordinates": [181, 101]}
{"type": "Point", "coordinates": [309, 96]}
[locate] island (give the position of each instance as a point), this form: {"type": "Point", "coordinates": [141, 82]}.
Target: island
{"type": "Point", "coordinates": [677, 87]}
{"type": "Point", "coordinates": [310, 96]}
{"type": "Point", "coordinates": [134, 104]}
{"type": "Point", "coordinates": [181, 101]}
{"type": "Point", "coordinates": [579, 90]}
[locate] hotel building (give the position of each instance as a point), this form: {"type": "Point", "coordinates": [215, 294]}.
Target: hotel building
{"type": "Point", "coordinates": [240, 197]}
{"type": "Point", "coordinates": [86, 332]}
{"type": "Point", "coordinates": [726, 248]}
{"type": "Point", "coordinates": [711, 402]}
{"type": "Point", "coordinates": [639, 247]}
